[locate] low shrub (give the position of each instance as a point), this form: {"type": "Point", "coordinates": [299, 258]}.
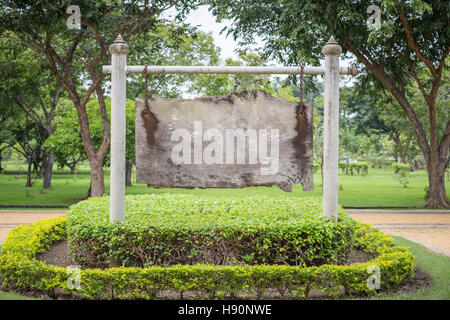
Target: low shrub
{"type": "Point", "coordinates": [361, 168]}
{"type": "Point", "coordinates": [174, 229]}
{"type": "Point", "coordinates": [401, 173]}
{"type": "Point", "coordinates": [398, 167]}
{"type": "Point", "coordinates": [316, 167]}
{"type": "Point", "coordinates": [20, 269]}
{"type": "Point", "coordinates": [381, 163]}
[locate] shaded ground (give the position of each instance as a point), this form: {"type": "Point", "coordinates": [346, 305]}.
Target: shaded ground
{"type": "Point", "coordinates": [57, 255]}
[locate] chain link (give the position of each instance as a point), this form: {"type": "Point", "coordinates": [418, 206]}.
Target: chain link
{"type": "Point", "coordinates": [302, 67]}
{"type": "Point", "coordinates": [147, 107]}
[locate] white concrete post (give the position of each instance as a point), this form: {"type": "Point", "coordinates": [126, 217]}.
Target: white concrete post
{"type": "Point", "coordinates": [331, 51]}
{"type": "Point", "coordinates": [119, 50]}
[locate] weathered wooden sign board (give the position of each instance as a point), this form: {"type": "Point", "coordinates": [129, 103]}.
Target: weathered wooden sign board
{"type": "Point", "coordinates": [244, 139]}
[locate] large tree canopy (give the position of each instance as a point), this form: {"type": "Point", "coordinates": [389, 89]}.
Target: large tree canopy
{"type": "Point", "coordinates": [158, 47]}
{"type": "Point", "coordinates": [411, 46]}
{"type": "Point", "coordinates": [73, 55]}
{"type": "Point", "coordinates": [29, 91]}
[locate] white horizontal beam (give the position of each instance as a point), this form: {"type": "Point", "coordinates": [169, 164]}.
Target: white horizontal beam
{"type": "Point", "coordinates": [230, 70]}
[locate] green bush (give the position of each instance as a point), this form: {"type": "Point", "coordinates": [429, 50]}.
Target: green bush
{"type": "Point", "coordinates": [174, 229]}
{"type": "Point", "coordinates": [381, 163]}
{"type": "Point", "coordinates": [401, 173]}
{"type": "Point", "coordinates": [398, 167]}
{"type": "Point", "coordinates": [361, 168]}
{"type": "Point", "coordinates": [20, 269]}
{"type": "Point", "coordinates": [316, 166]}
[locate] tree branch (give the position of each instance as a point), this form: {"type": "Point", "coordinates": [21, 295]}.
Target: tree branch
{"type": "Point", "coordinates": [419, 83]}
{"type": "Point", "coordinates": [28, 109]}
{"type": "Point", "coordinates": [445, 144]}
{"type": "Point", "coordinates": [437, 79]}
{"type": "Point", "coordinates": [105, 121]}
{"type": "Point", "coordinates": [41, 102]}
{"type": "Point", "coordinates": [55, 101]}
{"type": "Point", "coordinates": [380, 74]}
{"type": "Point", "coordinates": [412, 44]}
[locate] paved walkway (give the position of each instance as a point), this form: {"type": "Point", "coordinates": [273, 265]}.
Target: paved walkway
{"type": "Point", "coordinates": [430, 228]}
{"type": "Point", "coordinates": [10, 219]}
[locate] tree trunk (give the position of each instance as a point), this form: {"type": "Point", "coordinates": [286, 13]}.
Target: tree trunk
{"type": "Point", "coordinates": [97, 188]}
{"type": "Point", "coordinates": [28, 184]}
{"type": "Point", "coordinates": [48, 170]}
{"type": "Point", "coordinates": [433, 151]}
{"type": "Point", "coordinates": [72, 167]}
{"type": "Point", "coordinates": [95, 156]}
{"type": "Point", "coordinates": [38, 169]}
{"type": "Point", "coordinates": [128, 169]}
{"type": "Point", "coordinates": [347, 165]}
{"type": "Point", "coordinates": [436, 181]}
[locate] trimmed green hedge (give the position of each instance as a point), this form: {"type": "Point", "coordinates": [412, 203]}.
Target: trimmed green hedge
{"type": "Point", "coordinates": [398, 166]}
{"type": "Point", "coordinates": [19, 268]}
{"type": "Point", "coordinates": [316, 167]}
{"type": "Point", "coordinates": [401, 173]}
{"type": "Point", "coordinates": [361, 168]}
{"type": "Point", "coordinates": [165, 230]}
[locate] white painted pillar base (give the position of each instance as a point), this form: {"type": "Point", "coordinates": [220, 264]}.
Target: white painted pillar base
{"type": "Point", "coordinates": [119, 50]}
{"type": "Point", "coordinates": [331, 51]}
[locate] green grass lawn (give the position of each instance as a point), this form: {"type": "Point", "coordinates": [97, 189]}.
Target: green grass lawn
{"type": "Point", "coordinates": [12, 296]}
{"type": "Point", "coordinates": [378, 188]}
{"type": "Point", "coordinates": [437, 265]}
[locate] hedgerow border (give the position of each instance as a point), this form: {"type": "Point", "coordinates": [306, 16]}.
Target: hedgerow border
{"type": "Point", "coordinates": [19, 268]}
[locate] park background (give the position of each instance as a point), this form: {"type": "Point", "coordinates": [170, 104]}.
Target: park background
{"type": "Point", "coordinates": [370, 133]}
{"type": "Point", "coordinates": [45, 162]}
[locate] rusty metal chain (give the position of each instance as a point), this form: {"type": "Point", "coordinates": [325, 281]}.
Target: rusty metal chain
{"type": "Point", "coordinates": [147, 107]}
{"type": "Point", "coordinates": [302, 67]}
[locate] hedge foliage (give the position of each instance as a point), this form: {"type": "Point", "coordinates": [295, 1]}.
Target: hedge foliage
{"type": "Point", "coordinates": [165, 230]}
{"type": "Point", "coordinates": [19, 268]}
{"type": "Point", "coordinates": [361, 168]}
{"type": "Point", "coordinates": [398, 166]}
{"type": "Point", "coordinates": [316, 167]}
{"type": "Point", "coordinates": [401, 173]}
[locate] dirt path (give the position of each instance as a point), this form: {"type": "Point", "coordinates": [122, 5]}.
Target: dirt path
{"type": "Point", "coordinates": [10, 219]}
{"type": "Point", "coordinates": [430, 228]}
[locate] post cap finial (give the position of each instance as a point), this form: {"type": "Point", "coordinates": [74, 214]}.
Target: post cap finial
{"type": "Point", "coordinates": [119, 46]}
{"type": "Point", "coordinates": [119, 39]}
{"type": "Point", "coordinates": [331, 41]}
{"type": "Point", "coordinates": [331, 48]}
